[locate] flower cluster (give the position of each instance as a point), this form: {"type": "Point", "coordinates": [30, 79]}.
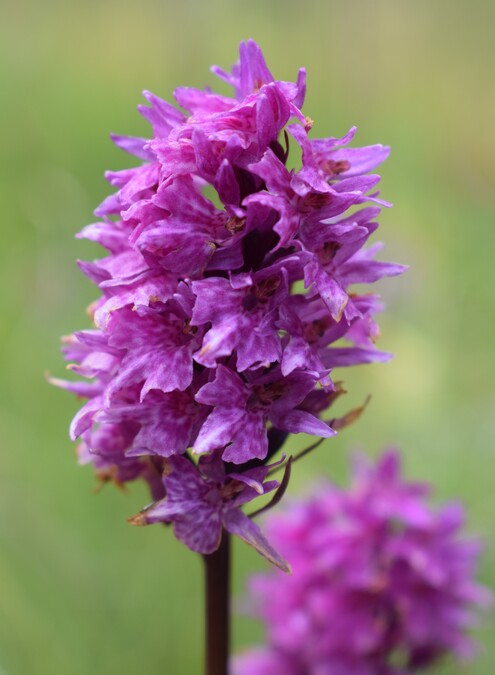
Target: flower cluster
{"type": "Point", "coordinates": [382, 583]}
{"type": "Point", "coordinates": [227, 288]}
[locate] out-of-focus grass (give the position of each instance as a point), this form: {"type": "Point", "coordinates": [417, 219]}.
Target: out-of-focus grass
{"type": "Point", "coordinates": [82, 592]}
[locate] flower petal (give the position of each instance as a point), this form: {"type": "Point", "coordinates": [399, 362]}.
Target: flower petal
{"type": "Point", "coordinates": [236, 522]}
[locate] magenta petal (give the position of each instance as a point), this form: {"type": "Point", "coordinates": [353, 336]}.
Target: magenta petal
{"type": "Point", "coordinates": [258, 349]}
{"type": "Point", "coordinates": [227, 389]}
{"type": "Point", "coordinates": [197, 101]}
{"type": "Point", "coordinates": [161, 115]}
{"type": "Point", "coordinates": [369, 271]}
{"type": "Point", "coordinates": [330, 290]}
{"type": "Point", "coordinates": [249, 440]}
{"type": "Point", "coordinates": [133, 145]}
{"type": "Point", "coordinates": [168, 423]}
{"type": "Point", "coordinates": [220, 427]}
{"type": "Point", "coordinates": [337, 357]}
{"type": "Point", "coordinates": [226, 184]}
{"type": "Point", "coordinates": [253, 69]}
{"type": "Point", "coordinates": [84, 389]}
{"type": "Point", "coordinates": [207, 308]}
{"type": "Point", "coordinates": [84, 417]}
{"type": "Point", "coordinates": [165, 511]}
{"type": "Point", "coordinates": [163, 437]}
{"type": "Point", "coordinates": [173, 372]}
{"type": "Point", "coordinates": [302, 422]}
{"type": "Point", "coordinates": [251, 482]}
{"type": "Point", "coordinates": [184, 483]}
{"type": "Point", "coordinates": [200, 529]}
{"type": "Point", "coordinates": [236, 522]}
{"type": "Point", "coordinates": [361, 160]}
{"type": "Point", "coordinates": [218, 342]}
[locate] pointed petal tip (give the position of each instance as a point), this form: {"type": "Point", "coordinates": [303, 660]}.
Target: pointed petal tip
{"type": "Point", "coordinates": [275, 559]}
{"type": "Point", "coordinates": [280, 563]}
{"type": "Point", "coordinates": [139, 520]}
{"type": "Point", "coordinates": [51, 379]}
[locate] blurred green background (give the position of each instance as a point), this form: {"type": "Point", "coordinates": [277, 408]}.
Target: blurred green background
{"type": "Point", "coordinates": [82, 592]}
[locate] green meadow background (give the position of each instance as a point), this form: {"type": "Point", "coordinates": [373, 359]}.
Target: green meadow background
{"type": "Point", "coordinates": [81, 591]}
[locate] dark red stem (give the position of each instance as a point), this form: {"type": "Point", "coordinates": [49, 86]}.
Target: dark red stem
{"type": "Point", "coordinates": [217, 615]}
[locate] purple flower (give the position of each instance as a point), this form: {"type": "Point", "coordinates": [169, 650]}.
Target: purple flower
{"type": "Point", "coordinates": [203, 500]}
{"type": "Point", "coordinates": [382, 582]}
{"type": "Point", "coordinates": [242, 409]}
{"type": "Point", "coordinates": [245, 320]}
{"type": "Point", "coordinates": [226, 296]}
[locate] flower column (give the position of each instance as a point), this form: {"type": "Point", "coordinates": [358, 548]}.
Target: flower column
{"type": "Point", "coordinates": [205, 348]}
